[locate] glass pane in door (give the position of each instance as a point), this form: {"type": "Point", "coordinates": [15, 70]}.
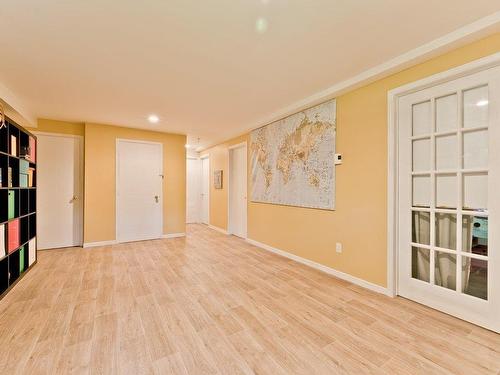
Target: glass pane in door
{"type": "Point", "coordinates": [475, 277]}
{"type": "Point", "coordinates": [476, 102]}
{"type": "Point", "coordinates": [422, 155]}
{"type": "Point", "coordinates": [421, 118]}
{"type": "Point", "coordinates": [446, 113]}
{"type": "Point", "coordinates": [446, 231]}
{"type": "Point", "coordinates": [475, 149]}
{"type": "Point", "coordinates": [475, 191]}
{"type": "Point", "coordinates": [446, 152]}
{"type": "Point", "coordinates": [475, 235]}
{"type": "Point", "coordinates": [446, 191]}
{"type": "Point", "coordinates": [421, 227]}
{"type": "Point", "coordinates": [420, 264]}
{"type": "Point", "coordinates": [445, 273]}
{"type": "Point", "coordinates": [422, 191]}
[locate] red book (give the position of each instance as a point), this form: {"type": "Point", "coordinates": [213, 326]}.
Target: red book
{"type": "Point", "coordinates": [13, 235]}
{"type": "Point", "coordinates": [32, 150]}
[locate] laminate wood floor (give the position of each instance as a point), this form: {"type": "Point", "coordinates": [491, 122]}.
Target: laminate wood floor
{"type": "Point", "coordinates": [213, 304]}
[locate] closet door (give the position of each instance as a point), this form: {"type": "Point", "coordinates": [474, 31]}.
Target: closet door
{"type": "Point", "coordinates": [449, 201]}
{"type": "Point", "coordinates": [205, 190]}
{"type": "Point", "coordinates": [60, 182]}
{"type": "Point", "coordinates": [193, 190]}
{"type": "Point", "coordinates": [139, 188]}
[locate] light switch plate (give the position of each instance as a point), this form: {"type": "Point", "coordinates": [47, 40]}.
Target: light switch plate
{"type": "Point", "coordinates": [338, 159]}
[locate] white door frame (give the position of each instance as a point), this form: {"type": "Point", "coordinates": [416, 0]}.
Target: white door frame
{"type": "Point", "coordinates": [206, 156]}
{"type": "Point", "coordinates": [80, 174]}
{"type": "Point", "coordinates": [117, 165]}
{"type": "Point", "coordinates": [392, 180]}
{"type": "Point", "coordinates": [228, 179]}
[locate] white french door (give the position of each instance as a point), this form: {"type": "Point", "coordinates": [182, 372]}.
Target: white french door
{"type": "Point", "coordinates": [449, 197]}
{"type": "Point", "coordinates": [139, 181]}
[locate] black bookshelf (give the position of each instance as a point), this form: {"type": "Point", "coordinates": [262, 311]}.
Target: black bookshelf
{"type": "Point", "coordinates": [18, 250]}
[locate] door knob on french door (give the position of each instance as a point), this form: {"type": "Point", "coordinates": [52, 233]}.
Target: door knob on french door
{"type": "Point", "coordinates": [157, 198]}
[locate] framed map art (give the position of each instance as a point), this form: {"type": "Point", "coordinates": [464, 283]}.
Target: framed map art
{"type": "Point", "coordinates": [292, 160]}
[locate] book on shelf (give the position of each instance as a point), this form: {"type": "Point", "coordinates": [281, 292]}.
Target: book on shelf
{"type": "Point", "coordinates": [13, 145]}
{"type": "Point", "coordinates": [23, 166]}
{"type": "Point", "coordinates": [32, 251]}
{"type": "Point", "coordinates": [13, 235]}
{"type": "Point", "coordinates": [11, 205]}
{"type": "Point", "coordinates": [23, 180]}
{"type": "Point", "coordinates": [2, 241]}
{"type": "Point", "coordinates": [21, 260]}
{"type": "Point", "coordinates": [31, 173]}
{"type": "Point", "coordinates": [32, 147]}
{"type": "Point", "coordinates": [9, 177]}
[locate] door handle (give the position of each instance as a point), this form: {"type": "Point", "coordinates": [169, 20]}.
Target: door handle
{"type": "Point", "coordinates": [157, 198]}
{"type": "Point", "coordinates": [74, 198]}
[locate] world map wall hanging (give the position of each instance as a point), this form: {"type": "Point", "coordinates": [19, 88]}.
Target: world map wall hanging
{"type": "Point", "coordinates": [292, 160]}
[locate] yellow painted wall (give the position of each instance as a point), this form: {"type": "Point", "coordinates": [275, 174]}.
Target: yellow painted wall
{"type": "Point", "coordinates": [99, 176]}
{"type": "Point", "coordinates": [61, 127]}
{"type": "Point", "coordinates": [218, 197]}
{"type": "Point", "coordinates": [360, 219]}
{"type": "Point", "coordinates": [100, 159]}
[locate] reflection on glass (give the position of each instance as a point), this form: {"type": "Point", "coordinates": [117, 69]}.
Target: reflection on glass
{"type": "Point", "coordinates": [422, 155]}
{"type": "Point", "coordinates": [446, 152]}
{"type": "Point", "coordinates": [475, 235]}
{"type": "Point", "coordinates": [446, 113]}
{"type": "Point", "coordinates": [475, 191]}
{"type": "Point", "coordinates": [421, 227]}
{"type": "Point", "coordinates": [445, 274]}
{"type": "Point", "coordinates": [446, 231]}
{"type": "Point", "coordinates": [421, 191]}
{"type": "Point", "coordinates": [476, 149]}
{"type": "Point", "coordinates": [422, 118]}
{"type": "Point", "coordinates": [420, 264]}
{"type": "Point", "coordinates": [476, 107]}
{"type": "Point", "coordinates": [475, 277]}
{"type": "Point", "coordinates": [446, 191]}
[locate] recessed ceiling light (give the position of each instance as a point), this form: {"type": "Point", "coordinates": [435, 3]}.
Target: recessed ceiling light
{"type": "Point", "coordinates": [482, 103]}
{"type": "Point", "coordinates": [153, 119]}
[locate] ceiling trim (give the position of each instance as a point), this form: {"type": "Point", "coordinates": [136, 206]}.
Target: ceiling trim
{"type": "Point", "coordinates": [466, 34]}
{"type": "Point", "coordinates": [11, 100]}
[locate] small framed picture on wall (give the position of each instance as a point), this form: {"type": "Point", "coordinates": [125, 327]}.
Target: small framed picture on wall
{"type": "Point", "coordinates": [218, 179]}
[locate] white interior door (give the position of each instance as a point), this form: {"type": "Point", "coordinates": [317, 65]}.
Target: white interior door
{"type": "Point", "coordinates": [60, 187]}
{"type": "Point", "coordinates": [205, 190]}
{"type": "Point", "coordinates": [139, 170]}
{"type": "Point", "coordinates": [449, 201]}
{"type": "Point", "coordinates": [193, 190]}
{"type": "Point", "coordinates": [238, 191]}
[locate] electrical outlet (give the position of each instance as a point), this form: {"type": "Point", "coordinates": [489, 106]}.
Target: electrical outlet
{"type": "Point", "coordinates": [338, 248]}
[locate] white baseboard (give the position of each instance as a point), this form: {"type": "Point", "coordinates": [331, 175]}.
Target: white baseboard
{"type": "Point", "coordinates": [217, 229]}
{"type": "Point", "coordinates": [100, 243]}
{"type": "Point", "coordinates": [174, 235]}
{"type": "Point", "coordinates": [114, 242]}
{"type": "Point", "coordinates": [323, 268]}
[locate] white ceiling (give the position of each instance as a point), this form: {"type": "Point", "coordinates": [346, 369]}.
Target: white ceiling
{"type": "Point", "coordinates": [201, 65]}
